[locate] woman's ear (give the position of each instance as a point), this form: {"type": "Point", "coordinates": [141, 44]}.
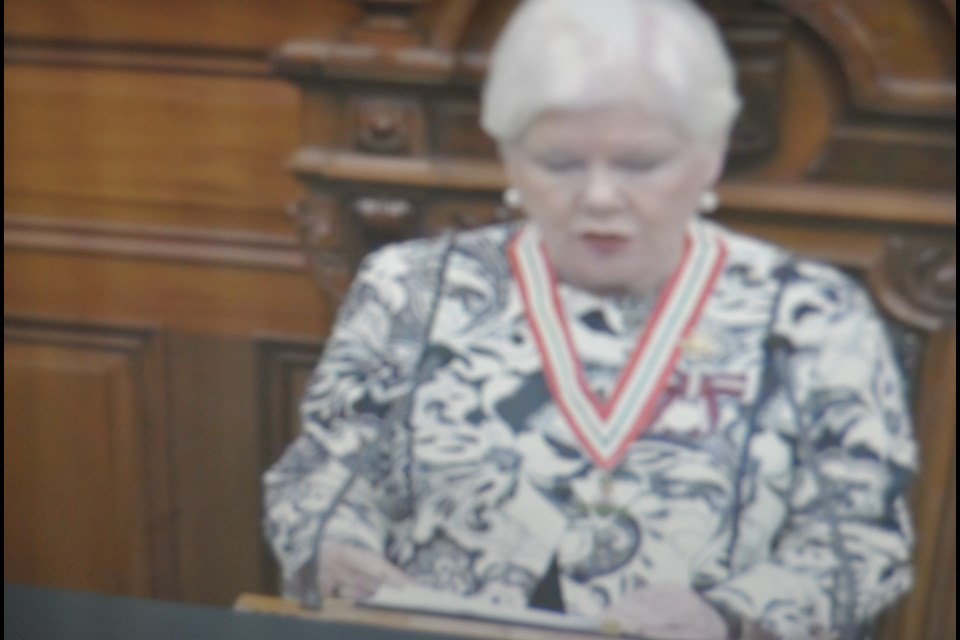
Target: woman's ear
{"type": "Point", "coordinates": [510, 159]}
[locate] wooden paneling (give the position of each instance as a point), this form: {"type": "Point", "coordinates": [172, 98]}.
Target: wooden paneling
{"type": "Point", "coordinates": [145, 185]}
{"type": "Point", "coordinates": [153, 242]}
{"type": "Point", "coordinates": [896, 55]}
{"type": "Point", "coordinates": [238, 24]}
{"type": "Point", "coordinates": [86, 460]}
{"type": "Point", "coordinates": [936, 542]}
{"type": "Point", "coordinates": [154, 147]}
{"type": "Point", "coordinates": [140, 59]}
{"type": "Point", "coordinates": [926, 612]}
{"type": "Point", "coordinates": [179, 296]}
{"type": "Point", "coordinates": [213, 418]}
{"type": "Point", "coordinates": [811, 101]}
{"type": "Point", "coordinates": [943, 622]}
{"type": "Point", "coordinates": [284, 367]}
{"type": "Point", "coordinates": [861, 154]}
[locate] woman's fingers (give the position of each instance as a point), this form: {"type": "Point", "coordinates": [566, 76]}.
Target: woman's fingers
{"type": "Point", "coordinates": [353, 573]}
{"type": "Point", "coordinates": [348, 592]}
{"type": "Point", "coordinates": [670, 613]}
{"type": "Point", "coordinates": [393, 575]}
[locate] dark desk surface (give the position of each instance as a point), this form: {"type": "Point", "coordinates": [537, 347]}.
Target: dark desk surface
{"type": "Point", "coordinates": [45, 614]}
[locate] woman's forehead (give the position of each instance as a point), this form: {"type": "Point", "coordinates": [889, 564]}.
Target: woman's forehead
{"type": "Point", "coordinates": [618, 125]}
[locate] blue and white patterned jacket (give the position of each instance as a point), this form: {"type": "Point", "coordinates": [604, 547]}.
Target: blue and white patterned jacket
{"type": "Point", "coordinates": [782, 503]}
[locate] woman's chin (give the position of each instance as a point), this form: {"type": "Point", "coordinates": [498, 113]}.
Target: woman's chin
{"type": "Point", "coordinates": [615, 277]}
{"type": "Point", "coordinates": [607, 268]}
{"type": "Point", "coordinates": [601, 283]}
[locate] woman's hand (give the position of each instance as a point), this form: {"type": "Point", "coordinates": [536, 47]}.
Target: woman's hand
{"type": "Point", "coordinates": [668, 612]}
{"type": "Point", "coordinates": [353, 573]}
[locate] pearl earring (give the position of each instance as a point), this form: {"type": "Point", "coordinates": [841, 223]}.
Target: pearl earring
{"type": "Point", "coordinates": [709, 202]}
{"type": "Point", "coordinates": [512, 198]}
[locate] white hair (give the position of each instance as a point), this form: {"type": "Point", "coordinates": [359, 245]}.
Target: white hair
{"type": "Point", "coordinates": [578, 54]}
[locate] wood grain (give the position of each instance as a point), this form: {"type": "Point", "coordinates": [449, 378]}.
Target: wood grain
{"type": "Point", "coordinates": [237, 24]}
{"type": "Point", "coordinates": [144, 139]}
{"type": "Point", "coordinates": [891, 52]}
{"type": "Point", "coordinates": [153, 242]}
{"type": "Point", "coordinates": [943, 608]}
{"type": "Point", "coordinates": [284, 367]}
{"type": "Point", "coordinates": [78, 54]}
{"type": "Point", "coordinates": [449, 28]}
{"type": "Point", "coordinates": [937, 432]}
{"type": "Point", "coordinates": [182, 297]}
{"type": "Point", "coordinates": [925, 612]}
{"type": "Point", "coordinates": [213, 417]}
{"type": "Point", "coordinates": [802, 199]}
{"type": "Point", "coordinates": [85, 460]}
{"type": "Point", "coordinates": [913, 158]}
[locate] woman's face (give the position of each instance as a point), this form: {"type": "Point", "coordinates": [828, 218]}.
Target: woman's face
{"type": "Point", "coordinates": [612, 190]}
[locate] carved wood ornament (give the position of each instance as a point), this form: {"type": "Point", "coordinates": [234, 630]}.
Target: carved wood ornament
{"type": "Point", "coordinates": [916, 281]}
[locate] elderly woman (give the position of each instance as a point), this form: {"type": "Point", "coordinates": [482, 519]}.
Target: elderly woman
{"type": "Point", "coordinates": [613, 408]}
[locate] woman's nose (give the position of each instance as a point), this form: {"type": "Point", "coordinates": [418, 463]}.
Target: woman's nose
{"type": "Point", "coordinates": [600, 192]}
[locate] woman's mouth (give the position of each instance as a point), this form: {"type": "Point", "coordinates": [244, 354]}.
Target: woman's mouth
{"type": "Point", "coordinates": [604, 244]}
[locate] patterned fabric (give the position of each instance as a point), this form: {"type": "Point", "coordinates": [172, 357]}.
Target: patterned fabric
{"type": "Point", "coordinates": [782, 503]}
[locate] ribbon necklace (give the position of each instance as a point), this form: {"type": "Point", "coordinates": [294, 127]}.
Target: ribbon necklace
{"type": "Point", "coordinates": [607, 428]}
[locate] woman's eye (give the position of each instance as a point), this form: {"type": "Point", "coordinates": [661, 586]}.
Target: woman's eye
{"type": "Point", "coordinates": [561, 164]}
{"type": "Point", "coordinates": [639, 165]}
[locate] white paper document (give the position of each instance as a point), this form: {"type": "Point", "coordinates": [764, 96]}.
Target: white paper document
{"type": "Point", "coordinates": [413, 598]}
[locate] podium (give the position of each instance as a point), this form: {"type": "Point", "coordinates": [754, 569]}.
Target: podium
{"type": "Point", "coordinates": [55, 614]}
{"type": "Point", "coordinates": [344, 612]}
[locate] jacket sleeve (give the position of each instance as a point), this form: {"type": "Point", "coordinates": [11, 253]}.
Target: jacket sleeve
{"type": "Point", "coordinates": [844, 552]}
{"type": "Point", "coordinates": [364, 369]}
